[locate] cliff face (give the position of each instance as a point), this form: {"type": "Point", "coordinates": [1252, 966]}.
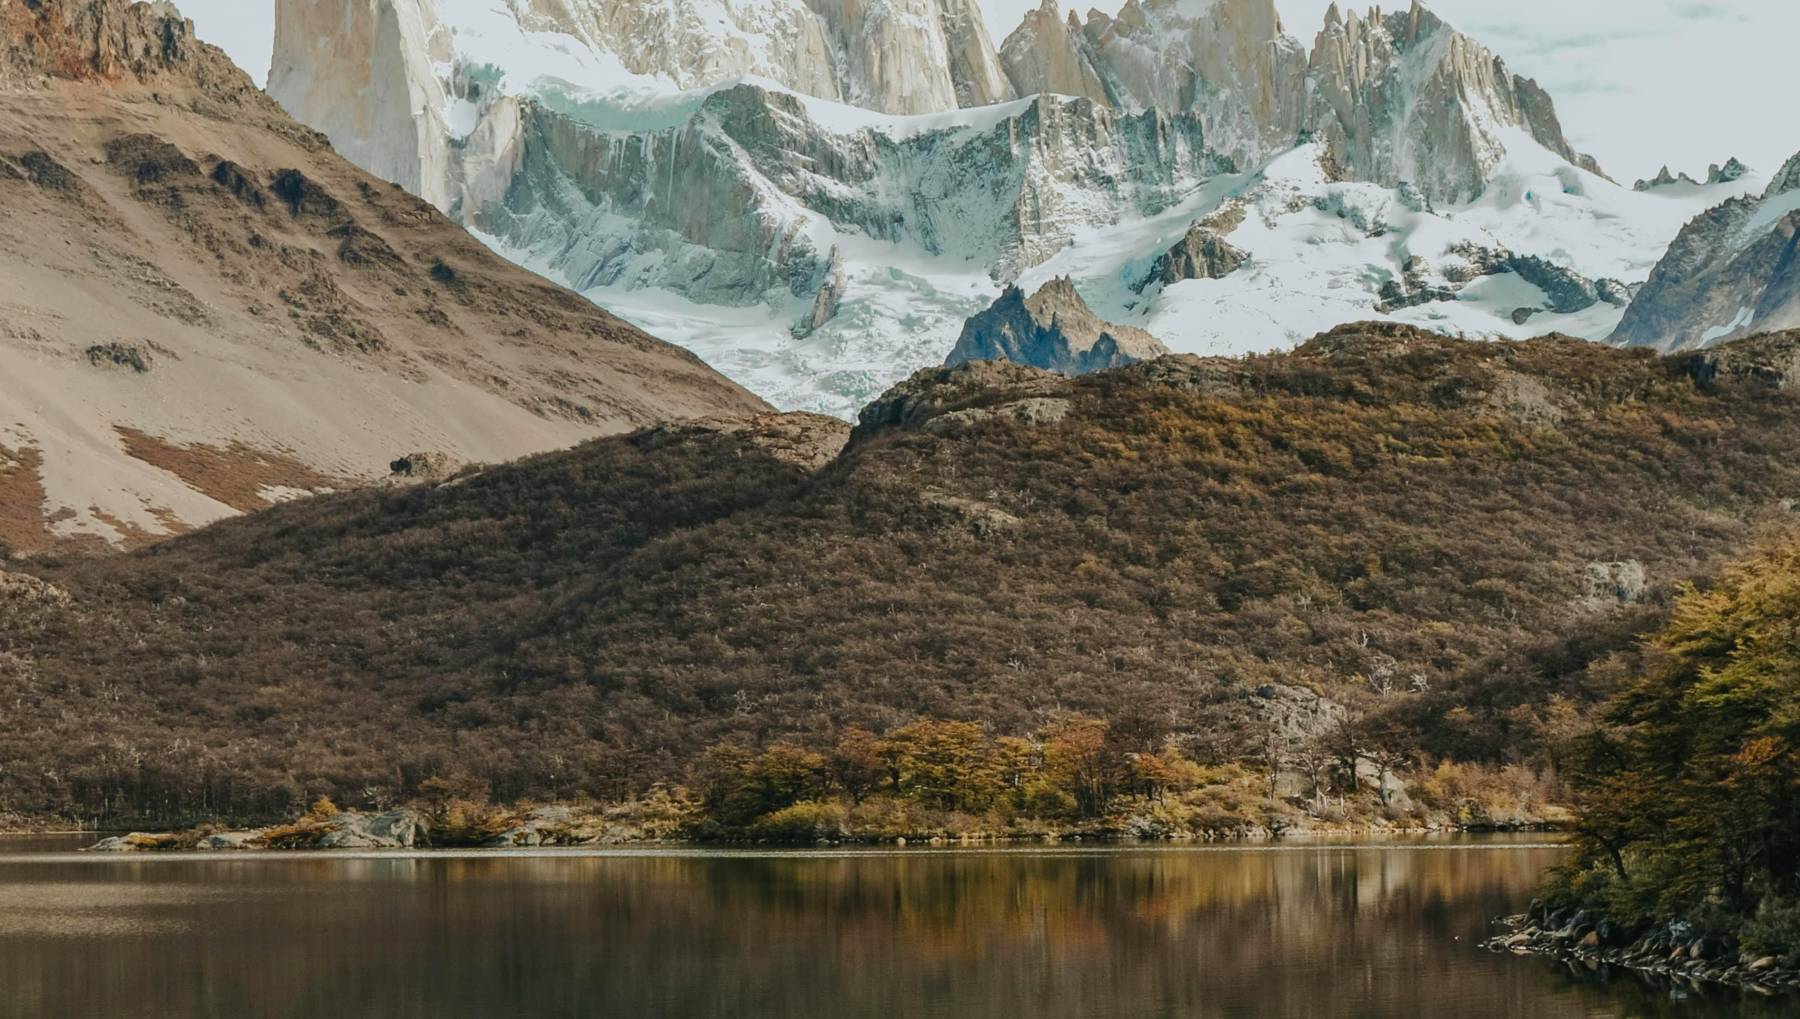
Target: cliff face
{"type": "Point", "coordinates": [361, 71]}
{"type": "Point", "coordinates": [1732, 272]}
{"type": "Point", "coordinates": [231, 314]}
{"type": "Point", "coordinates": [1229, 61]}
{"type": "Point", "coordinates": [719, 207]}
{"type": "Point", "coordinates": [893, 56]}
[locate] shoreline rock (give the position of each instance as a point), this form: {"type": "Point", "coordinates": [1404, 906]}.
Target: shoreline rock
{"type": "Point", "coordinates": [1674, 950]}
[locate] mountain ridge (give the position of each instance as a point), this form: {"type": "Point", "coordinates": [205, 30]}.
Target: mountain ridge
{"type": "Point", "coordinates": [846, 247]}
{"type": "Point", "coordinates": [207, 311]}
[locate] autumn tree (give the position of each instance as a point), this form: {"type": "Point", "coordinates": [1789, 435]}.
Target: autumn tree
{"type": "Point", "coordinates": [1690, 790]}
{"type": "Point", "coordinates": [1081, 759]}
{"type": "Point", "coordinates": [856, 763]}
{"type": "Point", "coordinates": [945, 764]}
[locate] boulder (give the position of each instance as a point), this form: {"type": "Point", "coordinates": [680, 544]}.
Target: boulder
{"type": "Point", "coordinates": [228, 840]}
{"type": "Point", "coordinates": [393, 829]}
{"type": "Point", "coordinates": [429, 466]}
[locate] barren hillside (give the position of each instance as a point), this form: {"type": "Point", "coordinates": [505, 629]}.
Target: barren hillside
{"type": "Point", "coordinates": [204, 310]}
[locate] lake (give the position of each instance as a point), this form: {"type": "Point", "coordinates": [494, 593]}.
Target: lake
{"type": "Point", "coordinates": [1288, 929]}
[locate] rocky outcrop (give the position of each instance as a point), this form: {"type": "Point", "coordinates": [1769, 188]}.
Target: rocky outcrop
{"type": "Point", "coordinates": [1678, 951]}
{"type": "Point", "coordinates": [1566, 292]}
{"type": "Point", "coordinates": [1663, 179]}
{"type": "Point", "coordinates": [1405, 97]}
{"type": "Point", "coordinates": [1053, 329]}
{"type": "Point", "coordinates": [1731, 172]}
{"type": "Point", "coordinates": [933, 392]}
{"type": "Point", "coordinates": [1048, 54]}
{"type": "Point", "coordinates": [423, 467]}
{"type": "Point", "coordinates": [1201, 254]}
{"type": "Point", "coordinates": [1733, 271]}
{"type": "Point", "coordinates": [403, 828]}
{"type": "Point", "coordinates": [1771, 360]}
{"type": "Point", "coordinates": [103, 40]}
{"type": "Point", "coordinates": [828, 298]}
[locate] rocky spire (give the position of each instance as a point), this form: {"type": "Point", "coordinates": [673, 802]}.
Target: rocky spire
{"type": "Point", "coordinates": [1047, 54]}
{"type": "Point", "coordinates": [1405, 97]}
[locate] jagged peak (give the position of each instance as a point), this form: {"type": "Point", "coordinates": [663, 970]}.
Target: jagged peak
{"type": "Point", "coordinates": [1787, 178]}
{"type": "Point", "coordinates": [1734, 169]}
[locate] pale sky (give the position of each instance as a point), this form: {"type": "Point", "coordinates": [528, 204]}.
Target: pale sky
{"type": "Point", "coordinates": [1638, 83]}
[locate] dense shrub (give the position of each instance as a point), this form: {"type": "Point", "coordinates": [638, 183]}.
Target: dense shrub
{"type": "Point", "coordinates": [1229, 557]}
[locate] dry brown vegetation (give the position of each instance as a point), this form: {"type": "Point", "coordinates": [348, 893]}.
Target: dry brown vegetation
{"type": "Point", "coordinates": [1379, 545]}
{"type": "Point", "coordinates": [236, 474]}
{"type": "Point", "coordinates": [22, 524]}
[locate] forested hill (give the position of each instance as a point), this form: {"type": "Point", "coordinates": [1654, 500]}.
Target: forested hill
{"type": "Point", "coordinates": [1449, 537]}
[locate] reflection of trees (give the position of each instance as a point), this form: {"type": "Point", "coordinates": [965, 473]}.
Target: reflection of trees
{"type": "Point", "coordinates": [1282, 931]}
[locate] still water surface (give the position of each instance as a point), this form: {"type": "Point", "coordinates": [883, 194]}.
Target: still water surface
{"type": "Point", "coordinates": [1296, 929]}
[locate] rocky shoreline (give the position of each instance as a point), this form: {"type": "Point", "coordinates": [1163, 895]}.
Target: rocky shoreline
{"type": "Point", "coordinates": [574, 827]}
{"type": "Point", "coordinates": [1676, 950]}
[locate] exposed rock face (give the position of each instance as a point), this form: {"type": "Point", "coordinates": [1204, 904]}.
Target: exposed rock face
{"type": "Point", "coordinates": [1395, 97]}
{"type": "Point", "coordinates": [830, 296]}
{"type": "Point", "coordinates": [1404, 97]}
{"type": "Point", "coordinates": [1771, 360]}
{"type": "Point", "coordinates": [359, 72]}
{"type": "Point", "coordinates": [105, 40]}
{"type": "Point", "coordinates": [423, 467]}
{"type": "Point", "coordinates": [1733, 170]}
{"type": "Point", "coordinates": [895, 56]}
{"type": "Point", "coordinates": [1053, 329]}
{"type": "Point", "coordinates": [1566, 292]}
{"type": "Point", "coordinates": [1732, 272]}
{"type": "Point", "coordinates": [403, 828]}
{"type": "Point", "coordinates": [234, 315]}
{"type": "Point", "coordinates": [932, 392]}
{"type": "Point", "coordinates": [1228, 61]}
{"type": "Point", "coordinates": [717, 207]}
{"type": "Point", "coordinates": [1662, 179]}
{"type": "Point", "coordinates": [1201, 254]}
{"type": "Point", "coordinates": [1047, 54]}
{"type": "Point", "coordinates": [1613, 584]}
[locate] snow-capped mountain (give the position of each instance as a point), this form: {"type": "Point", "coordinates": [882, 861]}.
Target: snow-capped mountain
{"type": "Point", "coordinates": [1732, 272]}
{"type": "Point", "coordinates": [817, 197]}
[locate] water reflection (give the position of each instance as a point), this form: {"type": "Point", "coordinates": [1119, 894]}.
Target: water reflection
{"type": "Point", "coordinates": [1326, 930]}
